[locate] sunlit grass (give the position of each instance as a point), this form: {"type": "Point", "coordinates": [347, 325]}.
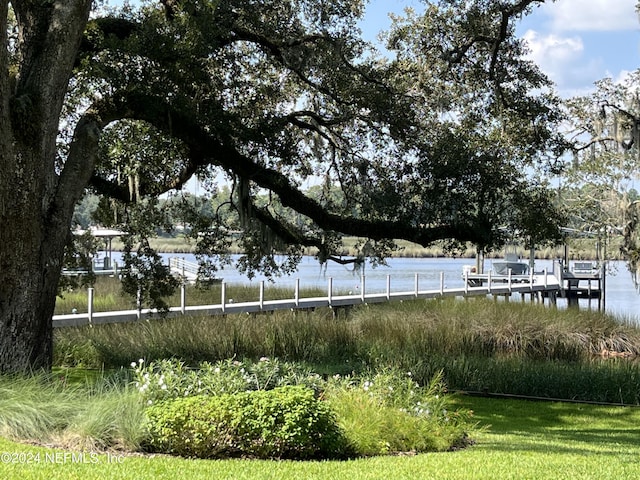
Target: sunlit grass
{"type": "Point", "coordinates": [530, 440]}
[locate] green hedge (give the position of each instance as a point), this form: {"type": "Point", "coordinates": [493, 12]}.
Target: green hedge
{"type": "Point", "coordinates": [286, 422]}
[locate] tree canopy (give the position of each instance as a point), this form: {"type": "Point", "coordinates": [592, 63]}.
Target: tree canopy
{"type": "Point", "coordinates": [604, 131]}
{"type": "Point", "coordinates": [426, 144]}
{"type": "Point", "coordinates": [433, 141]}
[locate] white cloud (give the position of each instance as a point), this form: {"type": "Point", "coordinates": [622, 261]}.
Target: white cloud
{"type": "Point", "coordinates": [552, 49]}
{"type": "Point", "coordinates": [622, 77]}
{"type": "Point", "coordinates": [592, 15]}
{"type": "Point", "coordinates": [562, 58]}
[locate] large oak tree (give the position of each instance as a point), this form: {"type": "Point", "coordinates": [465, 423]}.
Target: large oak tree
{"type": "Point", "coordinates": [431, 141]}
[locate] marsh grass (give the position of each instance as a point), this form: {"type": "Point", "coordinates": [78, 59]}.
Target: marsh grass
{"type": "Point", "coordinates": [302, 336]}
{"type": "Point", "coordinates": [579, 248]}
{"type": "Point", "coordinates": [108, 296]}
{"type": "Point", "coordinates": [479, 344]}
{"type": "Point", "coordinates": [487, 328]}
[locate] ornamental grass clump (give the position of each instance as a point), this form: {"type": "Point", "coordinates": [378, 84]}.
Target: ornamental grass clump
{"type": "Point", "coordinates": [46, 408]}
{"type": "Point", "coordinates": [389, 412]}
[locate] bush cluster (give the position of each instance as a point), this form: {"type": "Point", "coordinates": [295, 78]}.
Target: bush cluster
{"type": "Point", "coordinates": [273, 409]}
{"type": "Point", "coordinates": [286, 422]}
{"type": "Point", "coordinates": [172, 378]}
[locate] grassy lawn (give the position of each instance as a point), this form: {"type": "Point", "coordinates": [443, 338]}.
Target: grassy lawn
{"type": "Point", "coordinates": [522, 440]}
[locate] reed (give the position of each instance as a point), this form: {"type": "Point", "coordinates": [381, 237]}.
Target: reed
{"type": "Point", "coordinates": [579, 248]}
{"type": "Point", "coordinates": [485, 327]}
{"type": "Point", "coordinates": [301, 337]}
{"type": "Point", "coordinates": [479, 344]}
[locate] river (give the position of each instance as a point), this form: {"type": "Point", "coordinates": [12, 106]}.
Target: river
{"type": "Point", "coordinates": [622, 299]}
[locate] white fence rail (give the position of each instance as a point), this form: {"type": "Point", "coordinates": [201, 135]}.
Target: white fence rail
{"type": "Point", "coordinates": [492, 285]}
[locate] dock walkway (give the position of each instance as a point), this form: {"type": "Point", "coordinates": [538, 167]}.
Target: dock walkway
{"type": "Point", "coordinates": [540, 284]}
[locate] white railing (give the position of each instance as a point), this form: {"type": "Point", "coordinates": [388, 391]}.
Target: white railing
{"type": "Point", "coordinates": [531, 284]}
{"type": "Point", "coordinates": [183, 267]}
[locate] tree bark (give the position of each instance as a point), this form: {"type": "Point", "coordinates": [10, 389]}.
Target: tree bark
{"type": "Point", "coordinates": [35, 204]}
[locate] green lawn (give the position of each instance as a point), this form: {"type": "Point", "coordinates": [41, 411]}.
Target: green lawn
{"type": "Point", "coordinates": [524, 440]}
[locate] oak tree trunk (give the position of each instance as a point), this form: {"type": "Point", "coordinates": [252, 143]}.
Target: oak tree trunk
{"type": "Point", "coordinates": [37, 191]}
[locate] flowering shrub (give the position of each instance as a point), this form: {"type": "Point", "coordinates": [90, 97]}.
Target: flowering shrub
{"type": "Point", "coordinates": [399, 390]}
{"type": "Point", "coordinates": [172, 379]}
{"type": "Point", "coordinates": [379, 413]}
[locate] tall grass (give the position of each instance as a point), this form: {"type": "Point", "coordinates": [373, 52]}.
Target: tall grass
{"type": "Point", "coordinates": [479, 344]}
{"type": "Point", "coordinates": [108, 296]}
{"type": "Point", "coordinates": [302, 336]}
{"type": "Point", "coordinates": [48, 409]}
{"type": "Point", "coordinates": [579, 248]}
{"type": "Point", "coordinates": [488, 328]}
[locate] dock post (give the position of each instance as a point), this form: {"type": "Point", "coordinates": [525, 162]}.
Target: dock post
{"type": "Point", "coordinates": [531, 281]}
{"type": "Point", "coordinates": [388, 287]}
{"type": "Point", "coordinates": [90, 305]}
{"type": "Point", "coordinates": [466, 282]}
{"type": "Point", "coordinates": [223, 296]}
{"type": "Point", "coordinates": [183, 298]}
{"type": "Point", "coordinates": [603, 287]}
{"type": "Point", "coordinates": [261, 295]}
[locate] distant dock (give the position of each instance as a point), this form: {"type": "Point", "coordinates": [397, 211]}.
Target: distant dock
{"type": "Point", "coordinates": [578, 280]}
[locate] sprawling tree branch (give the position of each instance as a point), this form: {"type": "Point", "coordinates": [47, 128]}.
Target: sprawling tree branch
{"type": "Point", "coordinates": [207, 149]}
{"type": "Point", "coordinates": [275, 103]}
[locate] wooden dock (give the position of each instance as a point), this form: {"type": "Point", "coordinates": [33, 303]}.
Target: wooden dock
{"type": "Point", "coordinates": [578, 280]}
{"type": "Point", "coordinates": [538, 285]}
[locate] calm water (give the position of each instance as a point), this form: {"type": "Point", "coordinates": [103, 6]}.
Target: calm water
{"type": "Point", "coordinates": [622, 299]}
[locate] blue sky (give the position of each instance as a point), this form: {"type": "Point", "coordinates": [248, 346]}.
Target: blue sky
{"type": "Point", "coordinates": [576, 42]}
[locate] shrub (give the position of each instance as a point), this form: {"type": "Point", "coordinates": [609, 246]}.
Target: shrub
{"type": "Point", "coordinates": [286, 422]}
{"type": "Point", "coordinates": [172, 378]}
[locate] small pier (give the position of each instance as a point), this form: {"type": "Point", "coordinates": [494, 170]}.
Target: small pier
{"type": "Point", "coordinates": [582, 280]}
{"type": "Point", "coordinates": [533, 285]}
{"type": "Point", "coordinates": [573, 281]}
